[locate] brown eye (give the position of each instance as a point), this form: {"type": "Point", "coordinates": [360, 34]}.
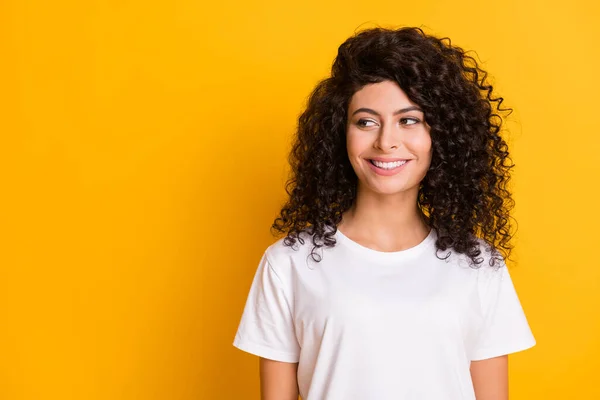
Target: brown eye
{"type": "Point", "coordinates": [363, 123]}
{"type": "Point", "coordinates": [409, 121]}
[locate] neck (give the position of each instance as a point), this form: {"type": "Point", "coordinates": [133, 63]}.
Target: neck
{"type": "Point", "coordinates": [385, 222]}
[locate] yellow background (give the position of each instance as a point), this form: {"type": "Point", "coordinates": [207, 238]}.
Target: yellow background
{"type": "Point", "coordinates": [143, 158]}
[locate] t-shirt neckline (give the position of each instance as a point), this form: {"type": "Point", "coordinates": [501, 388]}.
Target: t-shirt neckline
{"type": "Point", "coordinates": [387, 256]}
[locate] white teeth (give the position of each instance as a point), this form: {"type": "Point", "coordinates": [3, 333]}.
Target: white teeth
{"type": "Point", "coordinates": [388, 165]}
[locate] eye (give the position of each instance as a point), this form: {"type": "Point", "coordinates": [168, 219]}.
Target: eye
{"type": "Point", "coordinates": [409, 121]}
{"type": "Point", "coordinates": [363, 123]}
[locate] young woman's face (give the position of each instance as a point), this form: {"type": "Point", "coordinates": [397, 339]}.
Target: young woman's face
{"type": "Point", "coordinates": [384, 129]}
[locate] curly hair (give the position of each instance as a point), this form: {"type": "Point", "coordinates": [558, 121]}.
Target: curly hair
{"type": "Point", "coordinates": [464, 195]}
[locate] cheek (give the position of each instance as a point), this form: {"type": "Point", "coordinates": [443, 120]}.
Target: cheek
{"type": "Point", "coordinates": [420, 144]}
{"type": "Point", "coordinates": [356, 144]}
{"type": "Point", "coordinates": [426, 151]}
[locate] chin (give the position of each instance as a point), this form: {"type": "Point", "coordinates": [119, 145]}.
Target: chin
{"type": "Point", "coordinates": [391, 190]}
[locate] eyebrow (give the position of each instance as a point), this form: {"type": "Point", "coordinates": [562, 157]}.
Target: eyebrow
{"type": "Point", "coordinates": [401, 111]}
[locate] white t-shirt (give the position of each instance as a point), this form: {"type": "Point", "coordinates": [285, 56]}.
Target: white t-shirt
{"type": "Point", "coordinates": [365, 324]}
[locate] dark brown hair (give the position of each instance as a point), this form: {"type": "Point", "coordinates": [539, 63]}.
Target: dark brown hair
{"type": "Point", "coordinates": [463, 195]}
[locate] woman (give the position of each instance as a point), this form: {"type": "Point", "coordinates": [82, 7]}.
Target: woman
{"type": "Point", "coordinates": [391, 281]}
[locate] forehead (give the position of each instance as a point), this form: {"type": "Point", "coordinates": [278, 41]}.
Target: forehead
{"type": "Point", "coordinates": [383, 96]}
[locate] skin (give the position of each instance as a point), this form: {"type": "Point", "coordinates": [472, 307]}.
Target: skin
{"type": "Point", "coordinates": [384, 203]}
{"type": "Point", "coordinates": [384, 122]}
{"type": "Point", "coordinates": [490, 378]}
{"type": "Point", "coordinates": [278, 380]}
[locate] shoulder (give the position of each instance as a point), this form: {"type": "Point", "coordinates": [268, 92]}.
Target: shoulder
{"type": "Point", "coordinates": [490, 257]}
{"type": "Point", "coordinates": [490, 275]}
{"type": "Point", "coordinates": [281, 256]}
{"type": "Point", "coordinates": [492, 266]}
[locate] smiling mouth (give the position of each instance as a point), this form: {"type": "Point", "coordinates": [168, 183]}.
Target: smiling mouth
{"type": "Point", "coordinates": [388, 165]}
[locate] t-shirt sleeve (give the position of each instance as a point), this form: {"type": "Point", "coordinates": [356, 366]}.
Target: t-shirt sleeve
{"type": "Point", "coordinates": [266, 328]}
{"type": "Point", "coordinates": [504, 327]}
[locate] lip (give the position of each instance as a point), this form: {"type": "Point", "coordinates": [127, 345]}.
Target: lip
{"type": "Point", "coordinates": [384, 159]}
{"type": "Point", "coordinates": [387, 172]}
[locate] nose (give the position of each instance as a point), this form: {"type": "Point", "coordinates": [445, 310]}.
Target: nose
{"type": "Point", "coordinates": [388, 138]}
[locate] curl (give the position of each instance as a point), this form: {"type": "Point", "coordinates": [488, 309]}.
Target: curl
{"type": "Point", "coordinates": [464, 194]}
